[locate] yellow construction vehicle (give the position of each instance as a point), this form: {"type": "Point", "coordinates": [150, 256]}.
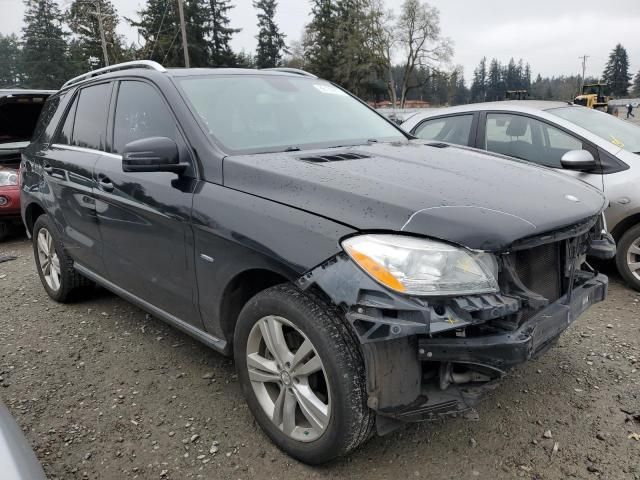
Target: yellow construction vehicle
{"type": "Point", "coordinates": [594, 95]}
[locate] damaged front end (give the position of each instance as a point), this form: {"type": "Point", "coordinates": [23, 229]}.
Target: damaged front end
{"type": "Point", "coordinates": [432, 356]}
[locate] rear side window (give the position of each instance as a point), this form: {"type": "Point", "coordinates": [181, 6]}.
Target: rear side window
{"type": "Point", "coordinates": [140, 113]}
{"type": "Point", "coordinates": [90, 125]}
{"type": "Point", "coordinates": [449, 129]}
{"type": "Point", "coordinates": [64, 136]}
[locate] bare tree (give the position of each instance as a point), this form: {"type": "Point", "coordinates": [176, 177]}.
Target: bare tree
{"type": "Point", "coordinates": [418, 36]}
{"type": "Point", "coordinates": [386, 44]}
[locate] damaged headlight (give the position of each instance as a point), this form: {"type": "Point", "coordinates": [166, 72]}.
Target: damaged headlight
{"type": "Point", "coordinates": [418, 266]}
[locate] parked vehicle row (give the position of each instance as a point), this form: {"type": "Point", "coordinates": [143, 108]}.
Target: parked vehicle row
{"type": "Point", "coordinates": [361, 278]}
{"type": "Point", "coordinates": [587, 144]}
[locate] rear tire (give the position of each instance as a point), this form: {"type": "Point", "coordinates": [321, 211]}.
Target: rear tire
{"type": "Point", "coordinates": [55, 267]}
{"type": "Point", "coordinates": [628, 257]}
{"type": "Point", "coordinates": [293, 322]}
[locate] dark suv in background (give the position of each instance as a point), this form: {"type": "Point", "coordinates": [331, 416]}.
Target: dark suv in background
{"type": "Point", "coordinates": [361, 278]}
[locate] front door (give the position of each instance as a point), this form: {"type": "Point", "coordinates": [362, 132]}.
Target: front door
{"type": "Point", "coordinates": [144, 218]}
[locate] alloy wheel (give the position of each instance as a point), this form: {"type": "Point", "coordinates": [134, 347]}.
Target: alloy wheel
{"type": "Point", "coordinates": [288, 378]}
{"type": "Point", "coordinates": [633, 258]}
{"type": "Point", "coordinates": [48, 259]}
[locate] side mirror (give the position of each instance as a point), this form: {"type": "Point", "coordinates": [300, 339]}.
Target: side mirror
{"type": "Point", "coordinates": [153, 154]}
{"type": "Point", "coordinates": [581, 160]}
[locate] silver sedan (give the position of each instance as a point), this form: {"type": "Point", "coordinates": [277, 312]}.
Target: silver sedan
{"type": "Point", "coordinates": [587, 144]}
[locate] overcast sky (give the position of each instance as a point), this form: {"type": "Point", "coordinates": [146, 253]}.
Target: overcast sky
{"type": "Point", "coordinates": [549, 34]}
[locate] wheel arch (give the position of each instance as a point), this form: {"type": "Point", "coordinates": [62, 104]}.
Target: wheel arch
{"type": "Point", "coordinates": [625, 225]}
{"type": "Point", "coordinates": [31, 213]}
{"type": "Point", "coordinates": [239, 290]}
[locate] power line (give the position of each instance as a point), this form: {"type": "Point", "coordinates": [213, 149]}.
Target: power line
{"type": "Point", "coordinates": [155, 41]}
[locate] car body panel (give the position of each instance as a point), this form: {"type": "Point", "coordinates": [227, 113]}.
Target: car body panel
{"type": "Point", "coordinates": [17, 460]}
{"type": "Point", "coordinates": [235, 233]}
{"type": "Point", "coordinates": [401, 187]}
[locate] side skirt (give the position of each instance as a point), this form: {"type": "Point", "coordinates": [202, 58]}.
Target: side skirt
{"type": "Point", "coordinates": [209, 340]}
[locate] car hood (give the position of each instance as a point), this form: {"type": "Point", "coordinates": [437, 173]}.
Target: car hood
{"type": "Point", "coordinates": [460, 195]}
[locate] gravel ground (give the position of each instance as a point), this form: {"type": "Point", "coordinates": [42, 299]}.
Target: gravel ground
{"type": "Point", "coordinates": [103, 390]}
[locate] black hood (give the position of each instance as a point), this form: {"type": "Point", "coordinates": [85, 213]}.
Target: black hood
{"type": "Point", "coordinates": [464, 196]}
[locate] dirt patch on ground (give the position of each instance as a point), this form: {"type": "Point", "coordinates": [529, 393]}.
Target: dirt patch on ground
{"type": "Point", "coordinates": [102, 390]}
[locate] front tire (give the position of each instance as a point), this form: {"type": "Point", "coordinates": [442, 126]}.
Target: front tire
{"type": "Point", "coordinates": [628, 257]}
{"type": "Point", "coordinates": [302, 373]}
{"type": "Point", "coordinates": [55, 267]}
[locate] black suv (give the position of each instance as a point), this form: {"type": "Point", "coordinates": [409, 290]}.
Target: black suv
{"type": "Point", "coordinates": [361, 278]}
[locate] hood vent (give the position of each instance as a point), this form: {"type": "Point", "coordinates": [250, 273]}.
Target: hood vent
{"type": "Point", "coordinates": [334, 158]}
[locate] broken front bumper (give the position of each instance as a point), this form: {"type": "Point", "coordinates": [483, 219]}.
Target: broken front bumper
{"type": "Point", "coordinates": [431, 357]}
{"type": "Point", "coordinates": [504, 350]}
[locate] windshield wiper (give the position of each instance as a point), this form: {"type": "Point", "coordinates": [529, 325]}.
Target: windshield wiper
{"type": "Point", "coordinates": [292, 149]}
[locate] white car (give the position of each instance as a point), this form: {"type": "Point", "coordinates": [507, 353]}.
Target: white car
{"type": "Point", "coordinates": [593, 146]}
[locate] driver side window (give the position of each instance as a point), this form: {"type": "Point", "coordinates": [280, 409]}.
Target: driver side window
{"type": "Point", "coordinates": [140, 113]}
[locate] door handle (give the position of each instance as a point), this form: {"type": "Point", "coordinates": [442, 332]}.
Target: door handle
{"type": "Point", "coordinates": [48, 169]}
{"type": "Point", "coordinates": [105, 184]}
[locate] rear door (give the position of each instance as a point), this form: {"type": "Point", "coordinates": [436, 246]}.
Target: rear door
{"type": "Point", "coordinates": [145, 217]}
{"type": "Point", "coordinates": [67, 166]}
{"type": "Point", "coordinates": [534, 140]}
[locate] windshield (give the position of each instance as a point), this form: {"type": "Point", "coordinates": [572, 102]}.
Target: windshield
{"type": "Point", "coordinates": [622, 134]}
{"type": "Point", "coordinates": [270, 113]}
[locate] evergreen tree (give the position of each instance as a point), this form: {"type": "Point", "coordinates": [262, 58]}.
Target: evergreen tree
{"type": "Point", "coordinates": [511, 76]}
{"type": "Point", "coordinates": [357, 61]}
{"type": "Point", "coordinates": [82, 19]}
{"type": "Point", "coordinates": [479, 84]}
{"type": "Point", "coordinates": [318, 40]}
{"type": "Point", "coordinates": [44, 51]}
{"type": "Point", "coordinates": [636, 85]}
{"type": "Point", "coordinates": [271, 44]}
{"type": "Point", "coordinates": [495, 85]}
{"type": "Point", "coordinates": [459, 93]}
{"type": "Point", "coordinates": [527, 77]}
{"type": "Point", "coordinates": [616, 73]}
{"type": "Point", "coordinates": [159, 26]}
{"type": "Point", "coordinates": [220, 33]}
{"type": "Point", "coordinates": [10, 61]}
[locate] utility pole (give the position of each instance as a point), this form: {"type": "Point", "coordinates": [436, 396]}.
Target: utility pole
{"type": "Point", "coordinates": [183, 27]}
{"type": "Point", "coordinates": [98, 14]}
{"type": "Point", "coordinates": [584, 68]}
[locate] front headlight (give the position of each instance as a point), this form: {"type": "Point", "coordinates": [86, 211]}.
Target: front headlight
{"type": "Point", "coordinates": [417, 266]}
{"type": "Point", "coordinates": [8, 177]}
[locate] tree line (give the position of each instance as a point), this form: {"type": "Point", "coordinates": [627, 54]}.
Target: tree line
{"type": "Point", "coordinates": [373, 52]}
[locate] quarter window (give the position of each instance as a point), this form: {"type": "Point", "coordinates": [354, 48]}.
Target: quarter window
{"type": "Point", "coordinates": [528, 139]}
{"type": "Point", "coordinates": [140, 113]}
{"type": "Point", "coordinates": [448, 129]}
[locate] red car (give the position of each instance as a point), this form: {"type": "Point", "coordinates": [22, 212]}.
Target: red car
{"type": "Point", "coordinates": [19, 112]}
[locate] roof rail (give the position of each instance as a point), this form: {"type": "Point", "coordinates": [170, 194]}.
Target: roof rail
{"type": "Point", "coordinates": [114, 68]}
{"type": "Point", "coordinates": [296, 71]}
